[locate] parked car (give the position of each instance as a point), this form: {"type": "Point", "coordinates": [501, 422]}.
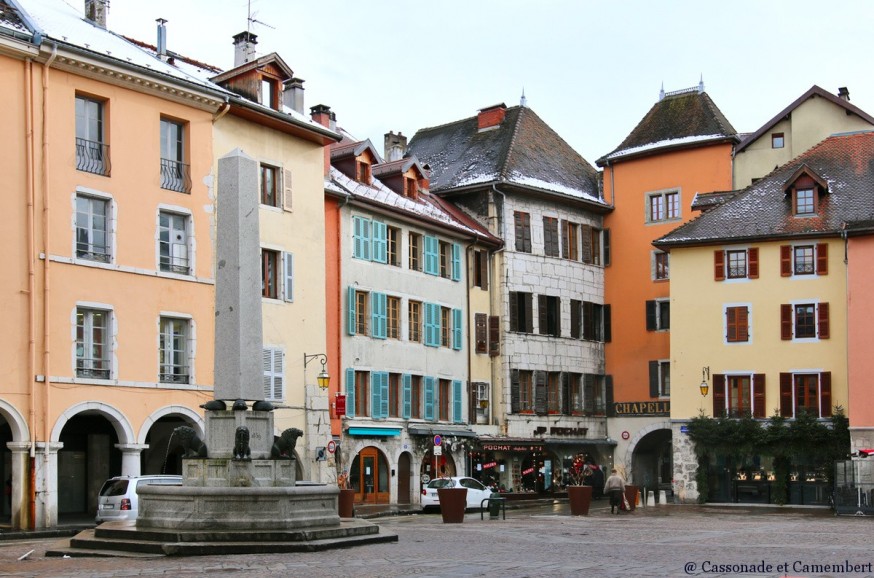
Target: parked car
{"type": "Point", "coordinates": [476, 492]}
{"type": "Point", "coordinates": [118, 498]}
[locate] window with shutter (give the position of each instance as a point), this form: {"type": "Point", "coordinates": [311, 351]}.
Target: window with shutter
{"type": "Point", "coordinates": [407, 396]}
{"type": "Point", "coordinates": [481, 269]}
{"type": "Point", "coordinates": [541, 393]}
{"type": "Point", "coordinates": [737, 324]}
{"type": "Point", "coordinates": [718, 395]}
{"type": "Point", "coordinates": [351, 323]}
{"type": "Point", "coordinates": [586, 237]}
{"type": "Point", "coordinates": [480, 322]}
{"type": "Point", "coordinates": [457, 333]}
{"type": "Point", "coordinates": [456, 262]}
{"type": "Point", "coordinates": [759, 408]}
{"type": "Point", "coordinates": [515, 392]}
{"type": "Point", "coordinates": [378, 315]}
{"type": "Point", "coordinates": [606, 236]}
{"type": "Point", "coordinates": [430, 394]}
{"type": "Point", "coordinates": [822, 259]}
{"type": "Point", "coordinates": [785, 261]}
{"type": "Point", "coordinates": [350, 392]}
{"type": "Point", "coordinates": [522, 224]}
{"type": "Point", "coordinates": [576, 318]}
{"type": "Point", "coordinates": [274, 374]}
{"type": "Point", "coordinates": [432, 325]}
{"type": "Point", "coordinates": [494, 335]}
{"type": "Point", "coordinates": [379, 242]}
{"type": "Point", "coordinates": [718, 265]}
{"type": "Point", "coordinates": [457, 416]}
{"type": "Point", "coordinates": [288, 289]}
{"type": "Point", "coordinates": [432, 255]}
{"type": "Point", "coordinates": [361, 238]}
{"type": "Point", "coordinates": [362, 394]}
{"type": "Point", "coordinates": [287, 197]}
{"type": "Point", "coordinates": [550, 236]}
{"type": "Point", "coordinates": [825, 394]}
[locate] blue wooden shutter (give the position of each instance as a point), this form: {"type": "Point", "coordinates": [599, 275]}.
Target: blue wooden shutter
{"type": "Point", "coordinates": [456, 261]}
{"type": "Point", "coordinates": [358, 238]}
{"type": "Point", "coordinates": [350, 307]}
{"type": "Point", "coordinates": [456, 329]}
{"type": "Point", "coordinates": [378, 315]}
{"type": "Point", "coordinates": [407, 396]}
{"type": "Point", "coordinates": [432, 331]}
{"type": "Point", "coordinates": [429, 398]}
{"type": "Point", "coordinates": [432, 255]}
{"type": "Point", "coordinates": [456, 401]}
{"type": "Point", "coordinates": [350, 392]}
{"type": "Point", "coordinates": [380, 245]}
{"type": "Point", "coordinates": [383, 393]}
{"type": "Point", "coordinates": [379, 394]}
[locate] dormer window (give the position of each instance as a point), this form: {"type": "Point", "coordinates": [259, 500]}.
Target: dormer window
{"type": "Point", "coordinates": [270, 92]}
{"type": "Point", "coordinates": [805, 203]}
{"type": "Point", "coordinates": [807, 190]}
{"type": "Point", "coordinates": [411, 188]}
{"type": "Point", "coordinates": [362, 172]}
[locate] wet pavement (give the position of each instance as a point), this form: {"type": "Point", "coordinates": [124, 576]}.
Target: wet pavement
{"type": "Point", "coordinates": [535, 540]}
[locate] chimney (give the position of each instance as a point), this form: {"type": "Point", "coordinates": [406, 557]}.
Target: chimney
{"type": "Point", "coordinates": [395, 146]}
{"type": "Point", "coordinates": [292, 94]}
{"type": "Point", "coordinates": [844, 93]}
{"type": "Point", "coordinates": [95, 11]}
{"type": "Point", "coordinates": [491, 116]}
{"type": "Point", "coordinates": [322, 114]}
{"type": "Point", "coordinates": [162, 39]}
{"type": "Point", "coordinates": [244, 48]}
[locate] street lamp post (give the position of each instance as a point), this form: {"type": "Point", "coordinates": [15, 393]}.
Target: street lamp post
{"type": "Point", "coordinates": [323, 379]}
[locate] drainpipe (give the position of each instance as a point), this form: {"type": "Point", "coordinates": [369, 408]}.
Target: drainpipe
{"type": "Point", "coordinates": [46, 265]}
{"type": "Point", "coordinates": [223, 111]}
{"type": "Point", "coordinates": [31, 285]}
{"type": "Point", "coordinates": [498, 373]}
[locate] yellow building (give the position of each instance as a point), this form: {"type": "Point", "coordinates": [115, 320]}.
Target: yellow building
{"type": "Point", "coordinates": [109, 294]}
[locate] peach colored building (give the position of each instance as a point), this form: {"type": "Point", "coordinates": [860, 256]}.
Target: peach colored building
{"type": "Point", "coordinates": [860, 334]}
{"type": "Point", "coordinates": [109, 294]}
{"type": "Point", "coordinates": [681, 148]}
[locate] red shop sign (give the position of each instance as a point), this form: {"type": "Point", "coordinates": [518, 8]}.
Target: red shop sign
{"type": "Point", "coordinates": [340, 405]}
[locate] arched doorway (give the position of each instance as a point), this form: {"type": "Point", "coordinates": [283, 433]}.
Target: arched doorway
{"type": "Point", "coordinates": [368, 476]}
{"type": "Point", "coordinates": [652, 460]}
{"type": "Point", "coordinates": [89, 457]}
{"type": "Point", "coordinates": [405, 474]}
{"type": "Point", "coordinates": [164, 454]}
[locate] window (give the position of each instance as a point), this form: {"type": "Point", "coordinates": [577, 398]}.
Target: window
{"type": "Point", "coordinates": [522, 225]}
{"type": "Point", "coordinates": [362, 393]}
{"type": "Point", "coordinates": [804, 321]}
{"type": "Point", "coordinates": [481, 399]}
{"type": "Point", "coordinates": [92, 234]}
{"type": "Point", "coordinates": [394, 385]}
{"type": "Point", "coordinates": [736, 264]}
{"type": "Point", "coordinates": [806, 392]}
{"type": "Point", "coordinates": [594, 394]}
{"type": "Point", "coordinates": [481, 332]}
{"type": "Point", "coordinates": [415, 240]}
{"type": "Point", "coordinates": [361, 312]}
{"type": "Point", "coordinates": [660, 378]}
{"type": "Point", "coordinates": [549, 312]}
{"type": "Point", "coordinates": [274, 373]}
{"type": "Point", "coordinates": [445, 259]}
{"type": "Point", "coordinates": [173, 243]}
{"type": "Point", "coordinates": [805, 202]}
{"type": "Point", "coordinates": [444, 397]}
{"type": "Point", "coordinates": [173, 351]}
{"type": "Point", "coordinates": [803, 260]}
{"type": "Point", "coordinates": [658, 315]}
{"type": "Point", "coordinates": [175, 174]}
{"type": "Point", "coordinates": [416, 396]}
{"type": "Point", "coordinates": [415, 321]}
{"type": "Point", "coordinates": [394, 246]}
{"type": "Point", "coordinates": [445, 326]}
{"type": "Point", "coordinates": [411, 188]}
{"type": "Point", "coordinates": [574, 393]}
{"type": "Point", "coordinates": [269, 93]}
{"type": "Point", "coordinates": [595, 246]}
{"type": "Point", "coordinates": [269, 274]}
{"type": "Point", "coordinates": [521, 319]}
{"type": "Point", "coordinates": [663, 206]}
{"type": "Point", "coordinates": [363, 172]}
{"type": "Point", "coordinates": [596, 322]}
{"type": "Point", "coordinates": [93, 350]}
{"type": "Point", "coordinates": [269, 186]}
{"type": "Point", "coordinates": [92, 152]}
{"type": "Point", "coordinates": [494, 335]}
{"type": "Point", "coordinates": [480, 269]}
{"type": "Point", "coordinates": [570, 240]}
{"type": "Point", "coordinates": [553, 397]}
{"type": "Point", "coordinates": [737, 324]}
{"type": "Point", "coordinates": [394, 317]}
{"type": "Point", "coordinates": [526, 390]}
{"type": "Point", "coordinates": [576, 318]}
{"type": "Point", "coordinates": [777, 140]}
{"type": "Point", "coordinates": [550, 236]}
{"type": "Point", "coordinates": [661, 265]}
{"type": "Point", "coordinates": [739, 395]}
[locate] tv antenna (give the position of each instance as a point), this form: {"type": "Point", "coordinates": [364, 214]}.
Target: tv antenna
{"type": "Point", "coordinates": [250, 19]}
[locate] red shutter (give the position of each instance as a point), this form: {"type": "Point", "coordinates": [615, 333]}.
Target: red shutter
{"type": "Point", "coordinates": [753, 257]}
{"type": "Point", "coordinates": [731, 324]}
{"type": "Point", "coordinates": [759, 395]}
{"type": "Point", "coordinates": [825, 393]}
{"type": "Point", "coordinates": [821, 259]}
{"type": "Point", "coordinates": [743, 324]}
{"type": "Point", "coordinates": [822, 320]}
{"type": "Point", "coordinates": [494, 335]}
{"type": "Point", "coordinates": [786, 394]}
{"type": "Point", "coordinates": [785, 261]}
{"type": "Point", "coordinates": [785, 322]}
{"type": "Point", "coordinates": [718, 395]}
{"type": "Point", "coordinates": [718, 266]}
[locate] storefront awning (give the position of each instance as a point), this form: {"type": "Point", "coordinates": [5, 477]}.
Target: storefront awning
{"type": "Point", "coordinates": [430, 430]}
{"type": "Point", "coordinates": [374, 431]}
{"type": "Point", "coordinates": [580, 442]}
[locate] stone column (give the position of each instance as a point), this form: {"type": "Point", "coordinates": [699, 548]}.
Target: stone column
{"type": "Point", "coordinates": [131, 465]}
{"type": "Point", "coordinates": [47, 484]}
{"type": "Point", "coordinates": [20, 484]}
{"type": "Point", "coordinates": [317, 434]}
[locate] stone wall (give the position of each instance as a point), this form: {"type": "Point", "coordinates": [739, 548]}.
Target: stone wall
{"type": "Point", "coordinates": [685, 465]}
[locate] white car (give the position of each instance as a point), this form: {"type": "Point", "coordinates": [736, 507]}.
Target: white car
{"type": "Point", "coordinates": [476, 492]}
{"type": "Point", "coordinates": [118, 498]}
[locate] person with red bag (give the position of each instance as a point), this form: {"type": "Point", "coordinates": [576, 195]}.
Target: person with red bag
{"type": "Point", "coordinates": [615, 488]}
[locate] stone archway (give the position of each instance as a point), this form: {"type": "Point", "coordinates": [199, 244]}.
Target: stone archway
{"type": "Point", "coordinates": [119, 421]}
{"type": "Point", "coordinates": [155, 451]}
{"type": "Point", "coordinates": [643, 469]}
{"type": "Point", "coordinates": [16, 421]}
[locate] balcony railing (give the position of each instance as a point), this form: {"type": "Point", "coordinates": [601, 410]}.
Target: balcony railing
{"type": "Point", "coordinates": [177, 260]}
{"type": "Point", "coordinates": [95, 368]}
{"type": "Point", "coordinates": [92, 157]}
{"type": "Point", "coordinates": [174, 374]}
{"type": "Point", "coordinates": [175, 176]}
{"type": "Point", "coordinates": [92, 253]}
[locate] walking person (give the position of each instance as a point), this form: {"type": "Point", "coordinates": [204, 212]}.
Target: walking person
{"type": "Point", "coordinates": [615, 488]}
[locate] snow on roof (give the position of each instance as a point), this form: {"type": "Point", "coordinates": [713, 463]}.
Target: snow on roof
{"type": "Point", "coordinates": [520, 179]}
{"type": "Point", "coordinates": [671, 142]}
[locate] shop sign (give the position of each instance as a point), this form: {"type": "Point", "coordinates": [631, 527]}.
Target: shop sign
{"type": "Point", "coordinates": [521, 448]}
{"type": "Point", "coordinates": [528, 471]}
{"type": "Point", "coordinates": [642, 408]}
{"type": "Point", "coordinates": [490, 465]}
{"type": "Point", "coordinates": [563, 431]}
{"type": "Point", "coordinates": [340, 405]}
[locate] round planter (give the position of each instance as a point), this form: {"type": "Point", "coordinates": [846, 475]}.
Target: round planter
{"type": "Point", "coordinates": [580, 498]}
{"type": "Point", "coordinates": [453, 502]}
{"type": "Point", "coordinates": [345, 503]}
{"type": "Point", "coordinates": [631, 496]}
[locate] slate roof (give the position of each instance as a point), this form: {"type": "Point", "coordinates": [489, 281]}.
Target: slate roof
{"type": "Point", "coordinates": [681, 119]}
{"type": "Point", "coordinates": [704, 201]}
{"type": "Point", "coordinates": [523, 150]}
{"type": "Point", "coordinates": [813, 91]}
{"type": "Point", "coordinates": [11, 24]}
{"type": "Point", "coordinates": [845, 162]}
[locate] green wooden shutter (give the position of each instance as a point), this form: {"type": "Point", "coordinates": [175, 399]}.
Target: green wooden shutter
{"type": "Point", "coordinates": [456, 262]}
{"type": "Point", "coordinates": [357, 238]}
{"type": "Point", "coordinates": [456, 402]}
{"type": "Point", "coordinates": [432, 255]}
{"type": "Point", "coordinates": [456, 329]}
{"type": "Point", "coordinates": [379, 243]}
{"type": "Point", "coordinates": [375, 395]}
{"type": "Point", "coordinates": [350, 392]}
{"type": "Point", "coordinates": [407, 396]}
{"type": "Point", "coordinates": [350, 310]}
{"type": "Point", "coordinates": [429, 398]}
{"type": "Point", "coordinates": [432, 332]}
{"type": "Point", "coordinates": [378, 315]}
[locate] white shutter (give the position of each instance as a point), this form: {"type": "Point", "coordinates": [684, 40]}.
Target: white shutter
{"type": "Point", "coordinates": [286, 189]}
{"type": "Point", "coordinates": [278, 375]}
{"type": "Point", "coordinates": [289, 276]}
{"type": "Point", "coordinates": [273, 373]}
{"type": "Point", "coordinates": [267, 368]}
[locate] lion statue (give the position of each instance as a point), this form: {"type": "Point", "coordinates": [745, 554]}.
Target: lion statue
{"type": "Point", "coordinates": [241, 444]}
{"type": "Point", "coordinates": [192, 446]}
{"type": "Point", "coordinates": [283, 448]}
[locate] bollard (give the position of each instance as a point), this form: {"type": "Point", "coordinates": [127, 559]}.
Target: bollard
{"type": "Point", "coordinates": [663, 497]}
{"type": "Point", "coordinates": [650, 498]}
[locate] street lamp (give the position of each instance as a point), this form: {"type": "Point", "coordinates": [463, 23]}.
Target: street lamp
{"type": "Point", "coordinates": [323, 379]}
{"type": "Point", "coordinates": [705, 375]}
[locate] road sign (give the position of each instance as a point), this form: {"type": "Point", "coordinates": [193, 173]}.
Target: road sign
{"type": "Point", "coordinates": [332, 446]}
{"type": "Point", "coordinates": [438, 441]}
{"type": "Point", "coordinates": [438, 450]}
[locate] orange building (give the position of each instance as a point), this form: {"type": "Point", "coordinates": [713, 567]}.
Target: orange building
{"type": "Point", "coordinates": [860, 333]}
{"type": "Point", "coordinates": [681, 148]}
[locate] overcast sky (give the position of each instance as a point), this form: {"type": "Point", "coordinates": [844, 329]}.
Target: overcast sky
{"type": "Point", "coordinates": [590, 69]}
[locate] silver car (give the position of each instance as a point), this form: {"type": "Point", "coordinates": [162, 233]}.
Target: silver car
{"type": "Point", "coordinates": [118, 498]}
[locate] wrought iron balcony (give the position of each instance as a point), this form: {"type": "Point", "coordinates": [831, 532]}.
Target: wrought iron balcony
{"type": "Point", "coordinates": [95, 368]}
{"type": "Point", "coordinates": [177, 261]}
{"type": "Point", "coordinates": [92, 157]}
{"type": "Point", "coordinates": [174, 374]}
{"type": "Point", "coordinates": [175, 176]}
{"type": "Point", "coordinates": [92, 253]}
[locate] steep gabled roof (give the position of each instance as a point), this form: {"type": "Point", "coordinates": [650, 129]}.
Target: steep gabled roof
{"type": "Point", "coordinates": [681, 119]}
{"type": "Point", "coordinates": [354, 149]}
{"type": "Point", "coordinates": [399, 166]}
{"type": "Point", "coordinates": [813, 91]}
{"type": "Point", "coordinates": [272, 58]}
{"type": "Point", "coordinates": [522, 150]}
{"type": "Point", "coordinates": [844, 162]}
